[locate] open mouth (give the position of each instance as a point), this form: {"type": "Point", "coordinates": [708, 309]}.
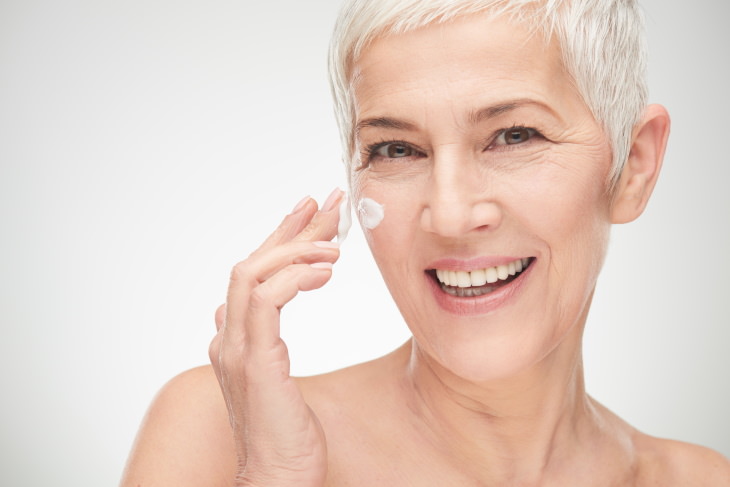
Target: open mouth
{"type": "Point", "coordinates": [467, 284]}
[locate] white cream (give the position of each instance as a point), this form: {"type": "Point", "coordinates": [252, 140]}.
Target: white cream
{"type": "Point", "coordinates": [343, 227]}
{"type": "Point", "coordinates": [371, 213]}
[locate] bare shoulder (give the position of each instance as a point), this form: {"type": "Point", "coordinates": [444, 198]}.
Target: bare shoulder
{"type": "Point", "coordinates": [675, 463]}
{"type": "Point", "coordinates": [354, 386]}
{"type": "Point", "coordinates": [185, 438]}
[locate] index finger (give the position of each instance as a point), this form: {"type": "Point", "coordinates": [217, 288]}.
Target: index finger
{"type": "Point", "coordinates": [292, 224]}
{"type": "Point", "coordinates": [323, 225]}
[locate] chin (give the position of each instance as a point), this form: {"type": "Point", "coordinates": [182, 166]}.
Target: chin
{"type": "Point", "coordinates": [501, 346]}
{"type": "Point", "coordinates": [479, 354]}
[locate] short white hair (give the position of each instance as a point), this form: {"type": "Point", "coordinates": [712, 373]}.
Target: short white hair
{"type": "Point", "coordinates": [602, 45]}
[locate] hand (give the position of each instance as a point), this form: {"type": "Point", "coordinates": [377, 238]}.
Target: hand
{"type": "Point", "coordinates": [278, 439]}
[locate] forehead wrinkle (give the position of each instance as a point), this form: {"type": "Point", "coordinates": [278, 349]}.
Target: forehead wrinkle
{"type": "Point", "coordinates": [493, 111]}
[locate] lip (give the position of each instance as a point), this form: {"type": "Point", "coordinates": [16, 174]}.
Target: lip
{"type": "Point", "coordinates": [476, 305]}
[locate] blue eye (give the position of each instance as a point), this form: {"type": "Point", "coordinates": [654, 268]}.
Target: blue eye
{"type": "Point", "coordinates": [514, 135]}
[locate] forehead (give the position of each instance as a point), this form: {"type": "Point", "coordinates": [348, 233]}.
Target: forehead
{"type": "Point", "coordinates": [475, 59]}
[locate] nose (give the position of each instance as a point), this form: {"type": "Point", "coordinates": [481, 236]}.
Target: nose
{"type": "Point", "coordinates": [459, 198]}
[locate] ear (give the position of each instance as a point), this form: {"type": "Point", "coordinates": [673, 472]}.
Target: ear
{"type": "Point", "coordinates": [641, 170]}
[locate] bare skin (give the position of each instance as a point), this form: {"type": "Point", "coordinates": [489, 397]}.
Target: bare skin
{"type": "Point", "coordinates": [483, 394]}
{"type": "Point", "coordinates": [378, 433]}
{"type": "Point", "coordinates": [186, 440]}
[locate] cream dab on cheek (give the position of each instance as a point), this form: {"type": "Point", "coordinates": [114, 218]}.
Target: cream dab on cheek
{"type": "Point", "coordinates": [371, 213]}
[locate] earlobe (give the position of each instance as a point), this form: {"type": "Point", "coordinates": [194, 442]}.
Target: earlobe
{"type": "Point", "coordinates": [642, 168]}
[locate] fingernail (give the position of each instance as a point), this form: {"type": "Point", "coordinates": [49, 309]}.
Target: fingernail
{"type": "Point", "coordinates": [326, 244]}
{"type": "Point", "coordinates": [301, 204]}
{"type": "Point", "coordinates": [332, 199]}
{"type": "Point", "coordinates": [322, 265]}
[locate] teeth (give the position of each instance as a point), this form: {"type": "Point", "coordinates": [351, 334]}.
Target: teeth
{"type": "Point", "coordinates": [492, 276]}
{"type": "Point", "coordinates": [480, 277]}
{"type": "Point", "coordinates": [502, 272]}
{"type": "Point", "coordinates": [463, 279]}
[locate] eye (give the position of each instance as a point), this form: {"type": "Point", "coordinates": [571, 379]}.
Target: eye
{"type": "Point", "coordinates": [389, 151]}
{"type": "Point", "coordinates": [393, 151]}
{"type": "Point", "coordinates": [514, 135]}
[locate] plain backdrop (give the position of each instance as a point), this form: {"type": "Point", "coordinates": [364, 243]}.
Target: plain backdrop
{"type": "Point", "coordinates": [148, 145]}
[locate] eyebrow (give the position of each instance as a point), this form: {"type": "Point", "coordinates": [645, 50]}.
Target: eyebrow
{"type": "Point", "coordinates": [494, 111]}
{"type": "Point", "coordinates": [474, 117]}
{"type": "Point", "coordinates": [384, 122]}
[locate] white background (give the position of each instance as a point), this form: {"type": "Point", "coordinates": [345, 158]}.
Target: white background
{"type": "Point", "coordinates": [148, 145]}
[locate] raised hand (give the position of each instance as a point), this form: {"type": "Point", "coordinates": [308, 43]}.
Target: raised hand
{"type": "Point", "coordinates": [278, 439]}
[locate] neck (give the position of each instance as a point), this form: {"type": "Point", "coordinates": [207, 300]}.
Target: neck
{"type": "Point", "coordinates": [510, 430]}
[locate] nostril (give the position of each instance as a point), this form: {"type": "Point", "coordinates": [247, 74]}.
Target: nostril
{"type": "Point", "coordinates": [452, 217]}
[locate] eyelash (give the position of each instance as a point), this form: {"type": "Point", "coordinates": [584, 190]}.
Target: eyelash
{"type": "Point", "coordinates": [371, 151]}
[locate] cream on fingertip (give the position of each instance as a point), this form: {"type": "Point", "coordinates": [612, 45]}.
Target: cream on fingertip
{"type": "Point", "coordinates": [343, 227]}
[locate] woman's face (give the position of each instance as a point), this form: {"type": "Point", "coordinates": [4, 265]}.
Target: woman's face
{"type": "Point", "coordinates": [485, 158]}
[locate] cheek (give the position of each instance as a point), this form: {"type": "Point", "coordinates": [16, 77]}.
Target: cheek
{"type": "Point", "coordinates": [567, 196]}
{"type": "Point", "coordinates": [392, 241]}
{"type": "Point", "coordinates": [571, 217]}
{"type": "Point", "coordinates": [563, 204]}
{"type": "Point", "coordinates": [383, 208]}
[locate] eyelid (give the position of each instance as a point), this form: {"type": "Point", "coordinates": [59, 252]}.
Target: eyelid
{"type": "Point", "coordinates": [371, 151]}
{"type": "Point", "coordinates": [501, 133]}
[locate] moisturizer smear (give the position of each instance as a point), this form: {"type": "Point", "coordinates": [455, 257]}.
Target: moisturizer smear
{"type": "Point", "coordinates": [371, 213]}
{"type": "Point", "coordinates": [343, 227]}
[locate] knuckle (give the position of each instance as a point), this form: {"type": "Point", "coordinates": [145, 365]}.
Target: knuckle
{"type": "Point", "coordinates": [241, 271]}
{"type": "Point", "coordinates": [227, 357]}
{"type": "Point", "coordinates": [220, 314]}
{"type": "Point", "coordinates": [214, 351]}
{"type": "Point", "coordinates": [310, 229]}
{"type": "Point", "coordinates": [260, 297]}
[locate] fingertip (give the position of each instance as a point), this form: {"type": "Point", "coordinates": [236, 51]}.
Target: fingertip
{"type": "Point", "coordinates": [299, 206]}
{"type": "Point", "coordinates": [320, 274]}
{"type": "Point", "coordinates": [326, 244]}
{"type": "Point", "coordinates": [331, 203]}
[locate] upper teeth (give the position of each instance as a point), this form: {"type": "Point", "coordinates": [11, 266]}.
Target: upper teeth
{"type": "Point", "coordinates": [481, 277]}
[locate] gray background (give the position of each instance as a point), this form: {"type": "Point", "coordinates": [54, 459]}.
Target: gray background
{"type": "Point", "coordinates": [146, 146]}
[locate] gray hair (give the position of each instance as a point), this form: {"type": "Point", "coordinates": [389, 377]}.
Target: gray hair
{"type": "Point", "coordinates": [602, 44]}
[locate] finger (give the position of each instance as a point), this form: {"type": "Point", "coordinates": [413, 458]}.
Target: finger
{"type": "Point", "coordinates": [214, 353]}
{"type": "Point", "coordinates": [291, 225]}
{"type": "Point", "coordinates": [255, 270]}
{"type": "Point", "coordinates": [306, 223]}
{"type": "Point", "coordinates": [262, 266]}
{"type": "Point", "coordinates": [220, 315]}
{"type": "Point", "coordinates": [258, 268]}
{"type": "Point", "coordinates": [261, 325]}
{"type": "Point", "coordinates": [323, 225]}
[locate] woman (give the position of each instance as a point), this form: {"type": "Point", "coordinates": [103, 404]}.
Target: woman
{"type": "Point", "coordinates": [490, 146]}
